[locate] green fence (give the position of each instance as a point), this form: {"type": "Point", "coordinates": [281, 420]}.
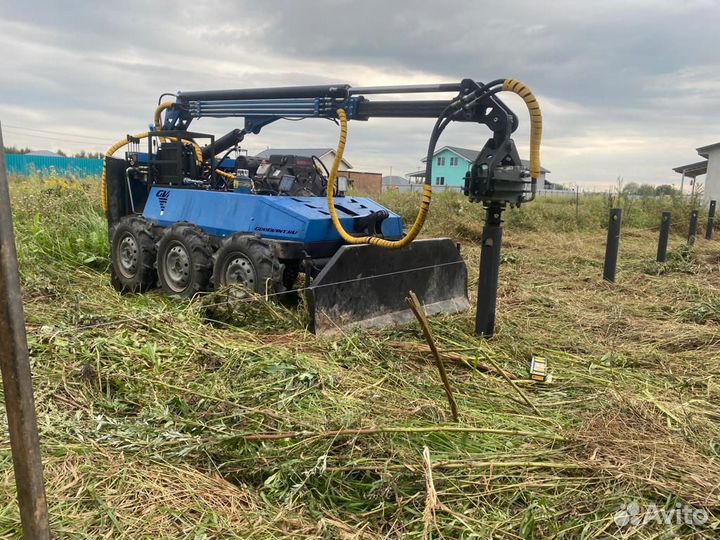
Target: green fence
{"type": "Point", "coordinates": [23, 165]}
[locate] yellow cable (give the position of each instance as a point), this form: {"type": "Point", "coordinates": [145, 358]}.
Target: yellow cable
{"type": "Point", "coordinates": [373, 240]}
{"type": "Point", "coordinates": [511, 85]}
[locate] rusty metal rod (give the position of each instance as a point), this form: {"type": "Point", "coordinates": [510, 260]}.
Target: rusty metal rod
{"type": "Point", "coordinates": [17, 380]}
{"type": "Point", "coordinates": [417, 308]}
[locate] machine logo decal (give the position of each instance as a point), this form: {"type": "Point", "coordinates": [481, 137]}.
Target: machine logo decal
{"type": "Point", "coordinates": [278, 231]}
{"type": "Point", "coordinates": [163, 195]}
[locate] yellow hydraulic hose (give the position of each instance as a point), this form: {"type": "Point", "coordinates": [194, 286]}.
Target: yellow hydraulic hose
{"type": "Point", "coordinates": [198, 151]}
{"type": "Point", "coordinates": [110, 151]}
{"type": "Point", "coordinates": [373, 240]}
{"type": "Point", "coordinates": [511, 85]}
{"type": "Point", "coordinates": [158, 127]}
{"type": "Point", "coordinates": [158, 112]}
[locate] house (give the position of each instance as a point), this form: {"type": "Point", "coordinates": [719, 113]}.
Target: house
{"type": "Point", "coordinates": [326, 155]}
{"type": "Point", "coordinates": [400, 183]}
{"type": "Point", "coordinates": [710, 166]}
{"type": "Point", "coordinates": [43, 153]}
{"type": "Point", "coordinates": [394, 181]}
{"type": "Point", "coordinates": [363, 181]}
{"type": "Point", "coordinates": [450, 163]}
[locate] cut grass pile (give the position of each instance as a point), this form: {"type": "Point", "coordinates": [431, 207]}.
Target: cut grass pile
{"type": "Point", "coordinates": [158, 422]}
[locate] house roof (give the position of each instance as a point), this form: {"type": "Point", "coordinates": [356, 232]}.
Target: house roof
{"type": "Point", "coordinates": [470, 155]}
{"type": "Point", "coordinates": [693, 170]}
{"type": "Point", "coordinates": [394, 180]}
{"type": "Point", "coordinates": [304, 152]}
{"type": "Point", "coordinates": [704, 150]}
{"type": "Point", "coordinates": [43, 153]}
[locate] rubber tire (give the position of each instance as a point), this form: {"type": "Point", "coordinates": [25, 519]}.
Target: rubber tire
{"type": "Point", "coordinates": [145, 276]}
{"type": "Point", "coordinates": [197, 246]}
{"type": "Point", "coordinates": [268, 270]}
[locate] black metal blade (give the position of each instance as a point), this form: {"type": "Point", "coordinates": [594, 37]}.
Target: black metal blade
{"type": "Point", "coordinates": [366, 285]}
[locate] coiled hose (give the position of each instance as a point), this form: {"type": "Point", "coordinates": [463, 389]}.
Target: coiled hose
{"type": "Point", "coordinates": [510, 85]}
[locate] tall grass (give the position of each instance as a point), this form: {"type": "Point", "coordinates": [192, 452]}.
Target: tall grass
{"type": "Point", "coordinates": [157, 422]}
{"type": "Point", "coordinates": [59, 222]}
{"type": "Point", "coordinates": [452, 214]}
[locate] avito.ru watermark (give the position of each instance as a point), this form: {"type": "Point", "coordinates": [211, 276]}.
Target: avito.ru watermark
{"type": "Point", "coordinates": [633, 514]}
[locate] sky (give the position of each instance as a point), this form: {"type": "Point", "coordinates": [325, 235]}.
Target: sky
{"type": "Point", "coordinates": [627, 88]}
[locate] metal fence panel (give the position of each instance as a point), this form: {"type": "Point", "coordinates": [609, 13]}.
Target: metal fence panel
{"type": "Point", "coordinates": [412, 188]}
{"type": "Point", "coordinates": [24, 165]}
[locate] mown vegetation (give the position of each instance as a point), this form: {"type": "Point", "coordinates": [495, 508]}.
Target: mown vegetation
{"type": "Point", "coordinates": [158, 422]}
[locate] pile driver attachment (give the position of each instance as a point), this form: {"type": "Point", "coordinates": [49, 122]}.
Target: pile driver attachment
{"type": "Point", "coordinates": [178, 203]}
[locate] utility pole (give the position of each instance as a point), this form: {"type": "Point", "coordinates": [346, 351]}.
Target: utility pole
{"type": "Point", "coordinates": [17, 379]}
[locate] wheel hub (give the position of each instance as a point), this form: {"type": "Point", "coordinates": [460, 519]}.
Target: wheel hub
{"type": "Point", "coordinates": [176, 267]}
{"type": "Point", "coordinates": [240, 271]}
{"type": "Point", "coordinates": [128, 259]}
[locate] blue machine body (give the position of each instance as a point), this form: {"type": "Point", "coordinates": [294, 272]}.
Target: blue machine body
{"type": "Point", "coordinates": [283, 218]}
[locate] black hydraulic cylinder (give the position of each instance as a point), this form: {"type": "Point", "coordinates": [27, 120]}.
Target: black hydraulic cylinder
{"type": "Point", "coordinates": [613, 245]}
{"type": "Point", "coordinates": [489, 271]}
{"type": "Point", "coordinates": [406, 89]}
{"type": "Point", "coordinates": [692, 229]}
{"type": "Point", "coordinates": [282, 92]}
{"type": "Point", "coordinates": [225, 142]}
{"type": "Point", "coordinates": [711, 221]}
{"type": "Point", "coordinates": [402, 109]}
{"type": "Point", "coordinates": [665, 221]}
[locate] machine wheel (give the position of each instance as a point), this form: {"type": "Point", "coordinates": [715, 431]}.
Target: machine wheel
{"type": "Point", "coordinates": [248, 260]}
{"type": "Point", "coordinates": [184, 260]}
{"type": "Point", "coordinates": [133, 255]}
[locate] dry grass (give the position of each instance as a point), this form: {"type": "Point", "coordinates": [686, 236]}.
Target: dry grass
{"type": "Point", "coordinates": [157, 422]}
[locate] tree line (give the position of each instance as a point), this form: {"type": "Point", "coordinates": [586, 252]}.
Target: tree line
{"type": "Point", "coordinates": [80, 154]}
{"type": "Point", "coordinates": [648, 190]}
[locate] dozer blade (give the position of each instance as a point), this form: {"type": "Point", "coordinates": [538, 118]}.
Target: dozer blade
{"type": "Point", "coordinates": [365, 285]}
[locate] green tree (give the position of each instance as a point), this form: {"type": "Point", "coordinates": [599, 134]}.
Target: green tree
{"type": "Point", "coordinates": [88, 155]}
{"type": "Point", "coordinates": [631, 188]}
{"type": "Point", "coordinates": [646, 190]}
{"type": "Point", "coordinates": [15, 150]}
{"type": "Point", "coordinates": [665, 189]}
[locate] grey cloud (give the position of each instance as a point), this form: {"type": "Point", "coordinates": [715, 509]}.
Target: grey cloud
{"type": "Point", "coordinates": [631, 87]}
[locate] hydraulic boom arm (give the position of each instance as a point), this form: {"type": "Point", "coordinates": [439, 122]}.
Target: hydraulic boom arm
{"type": "Point", "coordinates": [496, 176]}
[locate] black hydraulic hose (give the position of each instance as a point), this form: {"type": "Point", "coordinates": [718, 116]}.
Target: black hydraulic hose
{"type": "Point", "coordinates": [447, 115]}
{"type": "Point", "coordinates": [440, 126]}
